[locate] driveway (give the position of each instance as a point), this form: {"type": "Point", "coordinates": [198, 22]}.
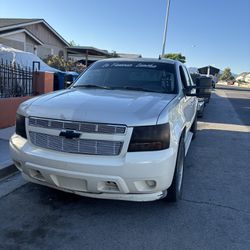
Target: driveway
{"type": "Point", "coordinates": [213, 214]}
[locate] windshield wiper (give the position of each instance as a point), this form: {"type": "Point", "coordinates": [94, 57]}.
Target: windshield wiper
{"type": "Point", "coordinates": [113, 88]}
{"type": "Point", "coordinates": [137, 89]}
{"type": "Point", "coordinates": [92, 86]}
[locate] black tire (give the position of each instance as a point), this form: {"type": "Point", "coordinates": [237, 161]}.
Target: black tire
{"type": "Point", "coordinates": [194, 127]}
{"type": "Point", "coordinates": [174, 192]}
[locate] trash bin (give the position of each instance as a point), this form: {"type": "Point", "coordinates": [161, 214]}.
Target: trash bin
{"type": "Point", "coordinates": [70, 77]}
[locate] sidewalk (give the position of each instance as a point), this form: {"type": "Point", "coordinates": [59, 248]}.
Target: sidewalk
{"type": "Point", "coordinates": [6, 164]}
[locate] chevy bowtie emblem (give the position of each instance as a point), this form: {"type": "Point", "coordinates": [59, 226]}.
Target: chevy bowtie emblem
{"type": "Point", "coordinates": [69, 134]}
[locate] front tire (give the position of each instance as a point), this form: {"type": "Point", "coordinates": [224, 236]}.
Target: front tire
{"type": "Point", "coordinates": [175, 190]}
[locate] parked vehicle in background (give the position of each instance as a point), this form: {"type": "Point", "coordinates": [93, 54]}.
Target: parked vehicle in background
{"type": "Point", "coordinates": [230, 82]}
{"type": "Point", "coordinates": [214, 79]}
{"type": "Point", "coordinates": [210, 71]}
{"type": "Point", "coordinates": [120, 132]}
{"type": "Point", "coordinates": [204, 87]}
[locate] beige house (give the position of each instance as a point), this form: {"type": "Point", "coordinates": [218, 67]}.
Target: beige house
{"type": "Point", "coordinates": [32, 35]}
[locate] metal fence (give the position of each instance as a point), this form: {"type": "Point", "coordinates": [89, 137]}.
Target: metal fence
{"type": "Point", "coordinates": [15, 81]}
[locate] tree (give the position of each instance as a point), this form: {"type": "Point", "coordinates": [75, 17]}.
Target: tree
{"type": "Point", "coordinates": [73, 43]}
{"type": "Point", "coordinates": [226, 75]}
{"type": "Point", "coordinates": [113, 54]}
{"type": "Point", "coordinates": [175, 56]}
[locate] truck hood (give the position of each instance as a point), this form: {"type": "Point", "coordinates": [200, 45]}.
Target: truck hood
{"type": "Point", "coordinates": [132, 108]}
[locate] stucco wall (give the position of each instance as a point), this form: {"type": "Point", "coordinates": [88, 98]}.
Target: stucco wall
{"type": "Point", "coordinates": [52, 45]}
{"type": "Point", "coordinates": [43, 83]}
{"type": "Point", "coordinates": [8, 108]}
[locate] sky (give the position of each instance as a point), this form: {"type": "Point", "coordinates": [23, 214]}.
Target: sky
{"type": "Point", "coordinates": [215, 32]}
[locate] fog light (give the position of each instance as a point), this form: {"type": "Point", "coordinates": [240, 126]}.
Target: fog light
{"type": "Point", "coordinates": [151, 183]}
{"type": "Point", "coordinates": [107, 186]}
{"type": "Point", "coordinates": [111, 185]}
{"type": "Point", "coordinates": [36, 174]}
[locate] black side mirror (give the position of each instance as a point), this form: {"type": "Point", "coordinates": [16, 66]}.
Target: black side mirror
{"type": "Point", "coordinates": [201, 89]}
{"type": "Point", "coordinates": [190, 91]}
{"type": "Point", "coordinates": [204, 87]}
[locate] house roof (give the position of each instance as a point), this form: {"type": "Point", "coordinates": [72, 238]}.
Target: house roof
{"type": "Point", "coordinates": [87, 49]}
{"type": "Point", "coordinates": [5, 22]}
{"type": "Point", "coordinates": [129, 55]}
{"type": "Point", "coordinates": [13, 23]}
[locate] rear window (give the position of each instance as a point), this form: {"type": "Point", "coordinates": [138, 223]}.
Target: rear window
{"type": "Point", "coordinates": [155, 77]}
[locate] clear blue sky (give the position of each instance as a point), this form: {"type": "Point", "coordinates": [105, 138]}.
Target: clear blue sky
{"type": "Point", "coordinates": [215, 32]}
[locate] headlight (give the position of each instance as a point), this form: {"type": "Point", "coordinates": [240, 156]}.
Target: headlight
{"type": "Point", "coordinates": [20, 126]}
{"type": "Point", "coordinates": [150, 138]}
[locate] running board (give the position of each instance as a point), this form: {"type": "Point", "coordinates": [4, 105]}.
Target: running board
{"type": "Point", "coordinates": [188, 141]}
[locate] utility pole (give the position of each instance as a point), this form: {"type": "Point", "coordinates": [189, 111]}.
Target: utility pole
{"type": "Point", "coordinates": [165, 29]}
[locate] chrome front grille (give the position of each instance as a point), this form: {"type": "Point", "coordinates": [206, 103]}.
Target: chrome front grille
{"type": "Point", "coordinates": [78, 126]}
{"type": "Point", "coordinates": [78, 146]}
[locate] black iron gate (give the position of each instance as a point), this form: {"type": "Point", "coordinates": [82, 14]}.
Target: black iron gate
{"type": "Point", "coordinates": [15, 81]}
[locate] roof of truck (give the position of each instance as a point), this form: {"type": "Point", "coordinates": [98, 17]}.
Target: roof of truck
{"type": "Point", "coordinates": [148, 60]}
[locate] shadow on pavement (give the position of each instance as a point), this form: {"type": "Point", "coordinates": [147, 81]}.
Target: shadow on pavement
{"type": "Point", "coordinates": [217, 168]}
{"type": "Point", "coordinates": [219, 110]}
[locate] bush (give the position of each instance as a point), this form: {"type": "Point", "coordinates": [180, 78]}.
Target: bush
{"type": "Point", "coordinates": [60, 63]}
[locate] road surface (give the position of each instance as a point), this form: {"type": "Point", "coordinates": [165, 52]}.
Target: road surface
{"type": "Point", "coordinates": [213, 214]}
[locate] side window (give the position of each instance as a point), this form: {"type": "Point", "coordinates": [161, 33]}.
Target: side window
{"type": "Point", "coordinates": [184, 79]}
{"type": "Point", "coordinates": [190, 81]}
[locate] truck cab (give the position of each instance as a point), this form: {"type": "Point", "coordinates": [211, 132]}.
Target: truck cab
{"type": "Point", "coordinates": [121, 131]}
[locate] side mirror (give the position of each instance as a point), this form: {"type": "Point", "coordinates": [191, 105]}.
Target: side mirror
{"type": "Point", "coordinates": [190, 91]}
{"type": "Point", "coordinates": [204, 87]}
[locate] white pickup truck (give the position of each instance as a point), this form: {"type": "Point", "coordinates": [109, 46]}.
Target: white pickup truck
{"type": "Point", "coordinates": [121, 131]}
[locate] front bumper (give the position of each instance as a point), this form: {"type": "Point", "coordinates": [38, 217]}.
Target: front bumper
{"type": "Point", "coordinates": [142, 176]}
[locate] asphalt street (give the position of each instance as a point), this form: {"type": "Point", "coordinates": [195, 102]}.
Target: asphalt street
{"type": "Point", "coordinates": [213, 214]}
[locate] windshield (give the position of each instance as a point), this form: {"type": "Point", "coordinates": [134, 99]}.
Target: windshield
{"type": "Point", "coordinates": [139, 76]}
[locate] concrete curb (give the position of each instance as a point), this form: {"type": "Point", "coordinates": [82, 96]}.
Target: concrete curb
{"type": "Point", "coordinates": [7, 171]}
{"type": "Point", "coordinates": [7, 167]}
